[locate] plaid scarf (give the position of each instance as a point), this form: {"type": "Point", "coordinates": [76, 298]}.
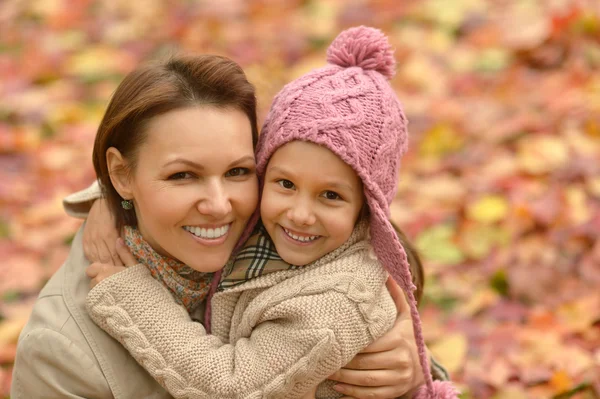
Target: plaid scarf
{"type": "Point", "coordinates": [257, 258]}
{"type": "Point", "coordinates": [189, 287]}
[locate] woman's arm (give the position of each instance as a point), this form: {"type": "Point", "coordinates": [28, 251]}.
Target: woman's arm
{"type": "Point", "coordinates": [286, 354]}
{"type": "Point", "coordinates": [50, 365]}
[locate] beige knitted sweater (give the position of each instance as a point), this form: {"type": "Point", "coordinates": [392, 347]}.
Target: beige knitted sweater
{"type": "Point", "coordinates": [275, 336]}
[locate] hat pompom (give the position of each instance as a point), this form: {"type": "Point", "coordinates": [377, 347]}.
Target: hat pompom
{"type": "Point", "coordinates": [367, 48]}
{"type": "Point", "coordinates": [441, 390]}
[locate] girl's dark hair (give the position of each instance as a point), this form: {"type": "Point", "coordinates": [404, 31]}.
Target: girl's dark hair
{"type": "Point", "coordinates": [156, 89]}
{"type": "Point", "coordinates": [414, 260]}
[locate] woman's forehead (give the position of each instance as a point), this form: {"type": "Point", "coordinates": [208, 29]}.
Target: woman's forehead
{"type": "Point", "coordinates": [199, 130]}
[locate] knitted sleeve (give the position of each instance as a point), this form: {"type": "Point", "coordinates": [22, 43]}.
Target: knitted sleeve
{"type": "Point", "coordinates": [283, 346]}
{"type": "Point", "coordinates": [78, 204]}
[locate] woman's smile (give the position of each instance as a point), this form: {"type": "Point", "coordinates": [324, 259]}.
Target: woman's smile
{"type": "Point", "coordinates": [209, 235]}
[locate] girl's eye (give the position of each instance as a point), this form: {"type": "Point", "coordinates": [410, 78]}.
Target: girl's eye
{"type": "Point", "coordinates": [331, 195]}
{"type": "Point", "coordinates": [286, 184]}
{"type": "Point", "coordinates": [180, 176]}
{"type": "Point", "coordinates": [237, 172]}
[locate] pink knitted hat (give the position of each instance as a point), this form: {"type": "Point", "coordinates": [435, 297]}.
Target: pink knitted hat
{"type": "Point", "coordinates": [350, 108]}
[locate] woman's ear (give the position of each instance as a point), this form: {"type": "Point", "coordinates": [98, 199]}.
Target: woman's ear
{"type": "Point", "coordinates": [119, 173]}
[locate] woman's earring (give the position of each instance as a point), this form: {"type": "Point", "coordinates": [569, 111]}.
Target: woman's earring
{"type": "Point", "coordinates": [127, 205]}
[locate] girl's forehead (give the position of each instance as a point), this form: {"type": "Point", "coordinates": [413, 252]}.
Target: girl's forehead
{"type": "Point", "coordinates": [302, 158]}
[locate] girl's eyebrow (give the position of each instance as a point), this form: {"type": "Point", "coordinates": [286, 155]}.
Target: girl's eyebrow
{"type": "Point", "coordinates": [338, 185]}
{"type": "Point", "coordinates": [279, 170]}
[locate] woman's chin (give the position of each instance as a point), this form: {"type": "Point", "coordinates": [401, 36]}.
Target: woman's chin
{"type": "Point", "coordinates": [208, 264]}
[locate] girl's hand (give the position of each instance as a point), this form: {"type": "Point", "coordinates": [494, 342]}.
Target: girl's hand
{"type": "Point", "coordinates": [389, 367]}
{"type": "Point", "coordinates": [100, 234]}
{"type": "Point", "coordinates": [98, 271]}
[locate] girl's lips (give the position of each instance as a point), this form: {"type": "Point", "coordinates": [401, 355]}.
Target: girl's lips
{"type": "Point", "coordinates": [287, 237]}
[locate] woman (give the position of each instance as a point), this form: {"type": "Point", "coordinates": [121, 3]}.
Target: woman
{"type": "Point", "coordinates": [184, 131]}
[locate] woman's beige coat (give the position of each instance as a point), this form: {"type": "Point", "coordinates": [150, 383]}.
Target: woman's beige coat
{"type": "Point", "coordinates": [61, 353]}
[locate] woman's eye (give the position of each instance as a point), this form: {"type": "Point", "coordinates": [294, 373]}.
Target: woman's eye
{"type": "Point", "coordinates": [286, 184]}
{"type": "Point", "coordinates": [237, 172]}
{"type": "Point", "coordinates": [331, 195]}
{"type": "Point", "coordinates": [180, 176]}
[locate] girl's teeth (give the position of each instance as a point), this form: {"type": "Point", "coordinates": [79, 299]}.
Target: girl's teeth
{"type": "Point", "coordinates": [299, 238]}
{"type": "Point", "coordinates": [208, 233]}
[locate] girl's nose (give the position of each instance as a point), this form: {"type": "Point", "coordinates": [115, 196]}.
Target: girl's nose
{"type": "Point", "coordinates": [301, 214]}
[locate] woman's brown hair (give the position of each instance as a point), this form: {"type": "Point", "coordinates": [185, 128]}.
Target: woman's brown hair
{"type": "Point", "coordinates": [156, 89]}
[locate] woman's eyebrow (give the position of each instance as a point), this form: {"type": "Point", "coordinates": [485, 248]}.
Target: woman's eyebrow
{"type": "Point", "coordinates": [243, 159]}
{"type": "Point", "coordinates": [185, 162]}
{"type": "Point", "coordinates": [196, 165]}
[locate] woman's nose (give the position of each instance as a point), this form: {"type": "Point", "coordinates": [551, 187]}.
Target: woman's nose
{"type": "Point", "coordinates": [216, 203]}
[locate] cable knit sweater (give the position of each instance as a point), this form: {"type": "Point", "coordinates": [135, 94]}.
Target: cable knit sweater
{"type": "Point", "coordinates": [275, 336]}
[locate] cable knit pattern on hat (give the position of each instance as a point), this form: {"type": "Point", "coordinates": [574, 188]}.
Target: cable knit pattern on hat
{"type": "Point", "coordinates": [350, 108]}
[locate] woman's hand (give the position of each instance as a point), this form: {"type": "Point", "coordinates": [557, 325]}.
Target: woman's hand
{"type": "Point", "coordinates": [98, 271]}
{"type": "Point", "coordinates": [389, 367]}
{"type": "Point", "coordinates": [100, 234]}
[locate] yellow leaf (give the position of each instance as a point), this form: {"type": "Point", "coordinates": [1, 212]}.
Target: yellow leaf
{"type": "Point", "coordinates": [480, 299]}
{"type": "Point", "coordinates": [511, 392]}
{"type": "Point", "coordinates": [450, 351]}
{"type": "Point", "coordinates": [488, 209]}
{"type": "Point", "coordinates": [561, 381]}
{"type": "Point", "coordinates": [441, 140]}
{"type": "Point", "coordinates": [577, 204]}
{"type": "Point", "coordinates": [581, 314]}
{"type": "Point", "coordinates": [477, 240]}
{"type": "Point", "coordinates": [420, 71]}
{"type": "Point", "coordinates": [10, 330]}
{"type": "Point", "coordinates": [436, 244]}
{"type": "Point", "coordinates": [542, 154]}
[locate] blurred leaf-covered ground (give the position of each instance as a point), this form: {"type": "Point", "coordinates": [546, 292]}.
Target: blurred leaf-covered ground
{"type": "Point", "coordinates": [500, 191]}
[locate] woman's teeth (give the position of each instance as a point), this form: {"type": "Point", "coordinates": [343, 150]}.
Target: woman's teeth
{"type": "Point", "coordinates": [300, 238]}
{"type": "Point", "coordinates": [208, 233]}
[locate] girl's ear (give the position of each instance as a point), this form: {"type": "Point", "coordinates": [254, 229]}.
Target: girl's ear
{"type": "Point", "coordinates": [364, 212]}
{"type": "Point", "coordinates": [118, 172]}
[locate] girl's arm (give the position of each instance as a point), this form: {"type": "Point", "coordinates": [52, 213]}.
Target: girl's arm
{"type": "Point", "coordinates": [287, 353]}
{"type": "Point", "coordinates": [285, 348]}
{"type": "Point", "coordinates": [79, 204]}
{"type": "Point", "coordinates": [383, 370]}
{"type": "Point", "coordinates": [389, 367]}
{"type": "Point", "coordinates": [99, 233]}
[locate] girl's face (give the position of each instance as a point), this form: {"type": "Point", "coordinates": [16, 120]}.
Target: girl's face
{"type": "Point", "coordinates": [311, 201]}
{"type": "Point", "coordinates": [194, 186]}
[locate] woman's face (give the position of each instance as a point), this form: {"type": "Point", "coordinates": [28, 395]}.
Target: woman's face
{"type": "Point", "coordinates": [194, 186]}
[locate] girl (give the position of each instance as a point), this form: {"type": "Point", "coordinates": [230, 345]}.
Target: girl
{"type": "Point", "coordinates": [308, 289]}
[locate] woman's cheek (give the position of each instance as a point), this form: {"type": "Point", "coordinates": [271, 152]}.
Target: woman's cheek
{"type": "Point", "coordinates": [246, 197]}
